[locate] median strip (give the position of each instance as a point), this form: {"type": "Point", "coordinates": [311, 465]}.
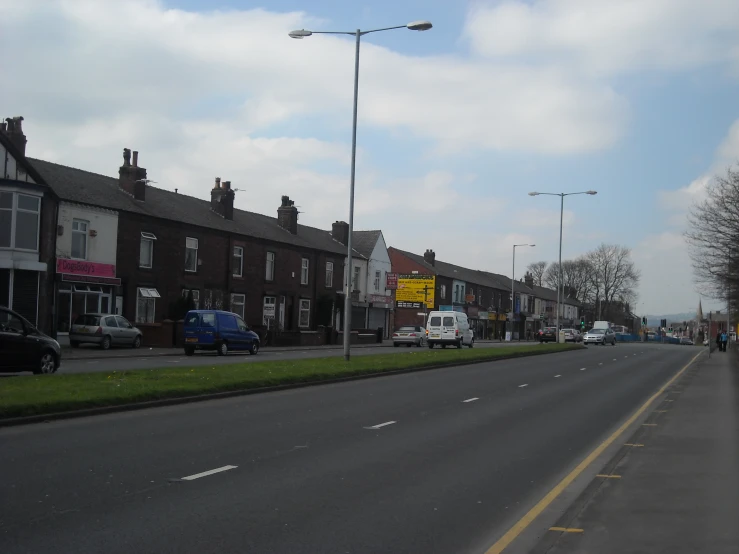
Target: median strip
{"type": "Point", "coordinates": [59, 393]}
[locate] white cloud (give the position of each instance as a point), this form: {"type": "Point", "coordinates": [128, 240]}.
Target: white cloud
{"type": "Point", "coordinates": [604, 37]}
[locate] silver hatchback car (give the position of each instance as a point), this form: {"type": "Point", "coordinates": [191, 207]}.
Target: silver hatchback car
{"type": "Point", "coordinates": [104, 330]}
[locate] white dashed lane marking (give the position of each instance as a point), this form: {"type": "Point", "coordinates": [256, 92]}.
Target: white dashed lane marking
{"type": "Point", "coordinates": [470, 400]}
{"type": "Point", "coordinates": [380, 425]}
{"type": "Point", "coordinates": [206, 473]}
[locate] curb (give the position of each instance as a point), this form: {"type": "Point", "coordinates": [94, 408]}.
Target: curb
{"type": "Point", "coordinates": [44, 418]}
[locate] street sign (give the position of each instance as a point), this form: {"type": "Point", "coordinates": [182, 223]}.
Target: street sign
{"type": "Point", "coordinates": [541, 317]}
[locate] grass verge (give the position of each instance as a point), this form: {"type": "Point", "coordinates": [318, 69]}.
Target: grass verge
{"type": "Point", "coordinates": [26, 396]}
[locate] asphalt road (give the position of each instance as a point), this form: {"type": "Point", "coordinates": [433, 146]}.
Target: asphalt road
{"type": "Point", "coordinates": [208, 358]}
{"type": "Point", "coordinates": [436, 461]}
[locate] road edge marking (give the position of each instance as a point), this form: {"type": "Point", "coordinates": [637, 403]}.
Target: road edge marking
{"type": "Point", "coordinates": [207, 473]}
{"type": "Point", "coordinates": [522, 524]}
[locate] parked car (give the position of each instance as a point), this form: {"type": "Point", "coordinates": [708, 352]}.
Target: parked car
{"type": "Point", "coordinates": [600, 336]}
{"type": "Point", "coordinates": [572, 335]}
{"type": "Point", "coordinates": [449, 328]}
{"type": "Point", "coordinates": [410, 335]}
{"type": "Point", "coordinates": [686, 340]}
{"type": "Point", "coordinates": [547, 334]}
{"type": "Point", "coordinates": [218, 330]}
{"type": "Point", "coordinates": [105, 330]}
{"type": "Point", "coordinates": [25, 348]}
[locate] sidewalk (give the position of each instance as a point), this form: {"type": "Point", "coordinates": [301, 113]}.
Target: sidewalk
{"type": "Point", "coordinates": [92, 352]}
{"type": "Point", "coordinates": [679, 492]}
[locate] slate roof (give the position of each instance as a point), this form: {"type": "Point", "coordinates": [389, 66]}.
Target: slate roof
{"type": "Point", "coordinates": [364, 242]}
{"type": "Point", "coordinates": [84, 187]}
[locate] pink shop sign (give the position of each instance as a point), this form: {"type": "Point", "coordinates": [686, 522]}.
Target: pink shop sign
{"type": "Point", "coordinates": [82, 267]}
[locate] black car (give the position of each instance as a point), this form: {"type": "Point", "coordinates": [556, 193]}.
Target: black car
{"type": "Point", "coordinates": [548, 334]}
{"type": "Point", "coordinates": [25, 348]}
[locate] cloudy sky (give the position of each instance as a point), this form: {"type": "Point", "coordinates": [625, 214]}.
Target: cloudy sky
{"type": "Point", "coordinates": [635, 99]}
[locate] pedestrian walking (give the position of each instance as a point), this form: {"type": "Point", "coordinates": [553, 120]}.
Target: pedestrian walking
{"type": "Point", "coordinates": [724, 339]}
{"type": "Point", "coordinates": [718, 341]}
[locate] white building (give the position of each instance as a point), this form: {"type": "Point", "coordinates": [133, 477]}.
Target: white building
{"type": "Point", "coordinates": [377, 300]}
{"type": "Point", "coordinates": [86, 246]}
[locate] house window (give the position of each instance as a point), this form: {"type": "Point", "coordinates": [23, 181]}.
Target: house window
{"type": "Point", "coordinates": [270, 274]}
{"type": "Point", "coordinates": [442, 292]}
{"type": "Point", "coordinates": [237, 304]}
{"type": "Point", "coordinates": [456, 293]}
{"type": "Point", "coordinates": [377, 281]}
{"type": "Point", "coordinates": [19, 221]}
{"type": "Point", "coordinates": [304, 265]}
{"type": "Point", "coordinates": [238, 261]}
{"type": "Point", "coordinates": [79, 239]}
{"type": "Point", "coordinates": [268, 311]}
{"type": "Point", "coordinates": [146, 305]}
{"type": "Point", "coordinates": [146, 250]}
{"type": "Point", "coordinates": [195, 297]}
{"type": "Point", "coordinates": [355, 280]}
{"type": "Point", "coordinates": [304, 320]}
{"type": "Point", "coordinates": [329, 274]}
{"type": "Point", "coordinates": [191, 254]}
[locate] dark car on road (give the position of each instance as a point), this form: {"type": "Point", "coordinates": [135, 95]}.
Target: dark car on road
{"type": "Point", "coordinates": [218, 330]}
{"type": "Point", "coordinates": [548, 334]}
{"type": "Point", "coordinates": [25, 348]}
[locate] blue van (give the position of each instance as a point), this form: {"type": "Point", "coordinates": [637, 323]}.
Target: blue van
{"type": "Point", "coordinates": [219, 331]}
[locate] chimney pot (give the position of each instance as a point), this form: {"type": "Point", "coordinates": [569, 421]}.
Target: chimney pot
{"type": "Point", "coordinates": [227, 185]}
{"type": "Point", "coordinates": [287, 215]}
{"type": "Point", "coordinates": [340, 231]}
{"type": "Point", "coordinates": [14, 131]}
{"type": "Point", "coordinates": [126, 156]}
{"type": "Point", "coordinates": [429, 257]}
{"type": "Point", "coordinates": [135, 158]}
{"type": "Point", "coordinates": [132, 179]}
{"type": "Point", "coordinates": [218, 183]}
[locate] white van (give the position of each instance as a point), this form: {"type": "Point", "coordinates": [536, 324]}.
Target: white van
{"type": "Point", "coordinates": [449, 328]}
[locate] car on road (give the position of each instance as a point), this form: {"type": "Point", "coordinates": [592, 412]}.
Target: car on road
{"type": "Point", "coordinates": [105, 330]}
{"type": "Point", "coordinates": [600, 336]}
{"type": "Point", "coordinates": [24, 348]}
{"type": "Point", "coordinates": [218, 331]}
{"type": "Point", "coordinates": [572, 335]}
{"type": "Point", "coordinates": [449, 328]}
{"type": "Point", "coordinates": [686, 340]}
{"type": "Point", "coordinates": [547, 334]}
{"type": "Point", "coordinates": [410, 335]}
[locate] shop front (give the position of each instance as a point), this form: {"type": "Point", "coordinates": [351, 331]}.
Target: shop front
{"type": "Point", "coordinates": [85, 287]}
{"type": "Point", "coordinates": [378, 314]}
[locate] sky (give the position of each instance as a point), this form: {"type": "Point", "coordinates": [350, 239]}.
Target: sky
{"type": "Point", "coordinates": [634, 99]}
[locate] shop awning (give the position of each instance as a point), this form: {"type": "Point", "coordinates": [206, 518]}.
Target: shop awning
{"type": "Point", "coordinates": [149, 293]}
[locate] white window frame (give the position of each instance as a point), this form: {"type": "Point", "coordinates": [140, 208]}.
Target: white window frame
{"type": "Point", "coordinates": [356, 277]}
{"type": "Point", "coordinates": [304, 271]}
{"type": "Point", "coordinates": [378, 275]}
{"type": "Point", "coordinates": [78, 231]}
{"type": "Point", "coordinates": [304, 309]}
{"type": "Point", "coordinates": [148, 238]}
{"type": "Point", "coordinates": [240, 256]}
{"type": "Point", "coordinates": [238, 300]}
{"type": "Point", "coordinates": [188, 243]}
{"type": "Point", "coordinates": [269, 301]}
{"type": "Point", "coordinates": [442, 291]}
{"type": "Point", "coordinates": [14, 210]}
{"type": "Point", "coordinates": [147, 294]}
{"type": "Point", "coordinates": [195, 296]}
{"type": "Point", "coordinates": [329, 274]}
{"type": "Point", "coordinates": [269, 267]}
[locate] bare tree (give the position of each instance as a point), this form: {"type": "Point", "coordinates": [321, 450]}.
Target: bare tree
{"type": "Point", "coordinates": [614, 276]}
{"type": "Point", "coordinates": [537, 269]}
{"type": "Point", "coordinates": [576, 278]}
{"type": "Point", "coordinates": [713, 236]}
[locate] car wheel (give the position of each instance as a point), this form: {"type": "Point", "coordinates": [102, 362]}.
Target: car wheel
{"type": "Point", "coordinates": [74, 344]}
{"type": "Point", "coordinates": [137, 341]}
{"type": "Point", "coordinates": [443, 345]}
{"type": "Point", "coordinates": [254, 350]}
{"type": "Point", "coordinates": [189, 350]}
{"type": "Point", "coordinates": [408, 345]}
{"type": "Point", "coordinates": [459, 343]}
{"type": "Point", "coordinates": [430, 345]}
{"type": "Point", "coordinates": [472, 343]}
{"type": "Point", "coordinates": [46, 364]}
{"type": "Point", "coordinates": [222, 349]}
{"type": "Point", "coordinates": [105, 345]}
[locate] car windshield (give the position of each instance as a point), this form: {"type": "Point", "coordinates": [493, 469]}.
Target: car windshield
{"type": "Point", "coordinates": [87, 319]}
{"type": "Point", "coordinates": [597, 331]}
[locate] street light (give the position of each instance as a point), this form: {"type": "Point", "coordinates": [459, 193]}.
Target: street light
{"type": "Point", "coordinates": [513, 284]}
{"type": "Point", "coordinates": [561, 217]}
{"type": "Point", "coordinates": [301, 34]}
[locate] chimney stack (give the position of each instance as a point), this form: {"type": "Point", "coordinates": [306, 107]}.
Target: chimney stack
{"type": "Point", "coordinates": [12, 128]}
{"type": "Point", "coordinates": [529, 279]}
{"type": "Point", "coordinates": [429, 257]}
{"type": "Point", "coordinates": [222, 199]}
{"type": "Point", "coordinates": [340, 231]}
{"type": "Point", "coordinates": [132, 178]}
{"type": "Point", "coordinates": [287, 215]}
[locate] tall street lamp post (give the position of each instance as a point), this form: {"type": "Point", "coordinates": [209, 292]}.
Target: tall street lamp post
{"type": "Point", "coordinates": [560, 287]}
{"type": "Point", "coordinates": [358, 34]}
{"type": "Point", "coordinates": [513, 285]}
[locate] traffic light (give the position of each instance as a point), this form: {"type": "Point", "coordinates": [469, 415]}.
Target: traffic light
{"type": "Point", "coordinates": [644, 321]}
{"type": "Point", "coordinates": [582, 321]}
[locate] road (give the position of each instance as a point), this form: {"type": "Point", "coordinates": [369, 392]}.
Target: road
{"type": "Point", "coordinates": [209, 358]}
{"type": "Point", "coordinates": [436, 461]}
